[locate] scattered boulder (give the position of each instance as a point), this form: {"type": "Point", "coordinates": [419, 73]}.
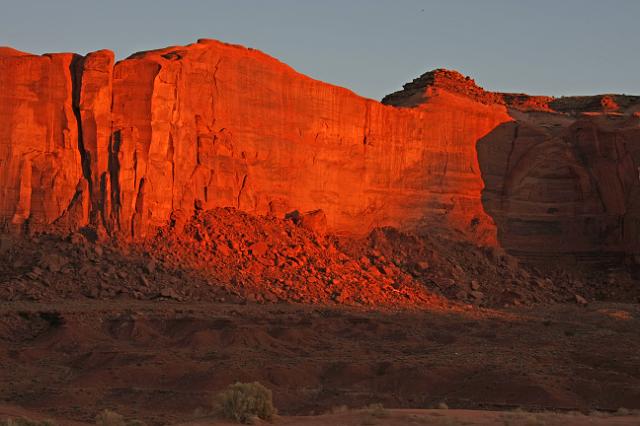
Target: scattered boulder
{"type": "Point", "coordinates": [477, 294]}
{"type": "Point", "coordinates": [6, 243]}
{"type": "Point", "coordinates": [259, 249]}
{"type": "Point", "coordinates": [314, 221]}
{"type": "Point", "coordinates": [53, 262]}
{"type": "Point", "coordinates": [170, 293]}
{"type": "Point", "coordinates": [149, 266]}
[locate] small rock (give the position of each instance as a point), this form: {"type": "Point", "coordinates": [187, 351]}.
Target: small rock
{"type": "Point", "coordinates": [385, 269]}
{"type": "Point", "coordinates": [540, 283]}
{"type": "Point", "coordinates": [462, 295]}
{"type": "Point", "coordinates": [254, 298]}
{"type": "Point", "coordinates": [477, 294]}
{"type": "Point", "coordinates": [581, 300]}
{"type": "Point", "coordinates": [6, 244]}
{"type": "Point", "coordinates": [259, 249]}
{"type": "Point", "coordinates": [270, 297]}
{"type": "Point", "coordinates": [475, 285]}
{"type": "Point", "coordinates": [77, 238]}
{"type": "Point", "coordinates": [170, 293]}
{"type": "Point", "coordinates": [314, 221]}
{"type": "Point", "coordinates": [150, 266]}
{"type": "Point", "coordinates": [53, 262]}
{"type": "Point", "coordinates": [422, 265]}
{"type": "Point", "coordinates": [223, 250]}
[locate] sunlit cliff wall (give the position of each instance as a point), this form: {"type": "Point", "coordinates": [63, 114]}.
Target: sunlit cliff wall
{"type": "Point", "coordinates": [130, 146]}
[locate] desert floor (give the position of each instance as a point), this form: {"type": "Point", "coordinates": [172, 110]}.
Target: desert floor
{"type": "Point", "coordinates": [163, 361]}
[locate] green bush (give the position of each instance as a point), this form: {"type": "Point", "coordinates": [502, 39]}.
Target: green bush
{"type": "Point", "coordinates": [242, 402]}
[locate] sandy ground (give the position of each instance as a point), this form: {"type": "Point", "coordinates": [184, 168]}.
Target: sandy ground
{"type": "Point", "coordinates": [402, 417]}
{"type": "Point", "coordinates": [449, 418]}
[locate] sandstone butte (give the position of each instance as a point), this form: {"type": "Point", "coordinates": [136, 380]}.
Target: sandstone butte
{"type": "Point", "coordinates": [126, 147]}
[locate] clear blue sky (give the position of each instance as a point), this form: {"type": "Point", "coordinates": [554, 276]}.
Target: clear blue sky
{"type": "Point", "coordinates": [553, 47]}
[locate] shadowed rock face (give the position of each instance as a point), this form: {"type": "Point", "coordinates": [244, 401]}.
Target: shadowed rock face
{"type": "Point", "coordinates": [131, 146]}
{"type": "Point", "coordinates": [561, 177]}
{"type": "Point", "coordinates": [573, 192]}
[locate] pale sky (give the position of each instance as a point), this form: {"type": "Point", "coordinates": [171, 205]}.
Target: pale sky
{"type": "Point", "coordinates": [550, 47]}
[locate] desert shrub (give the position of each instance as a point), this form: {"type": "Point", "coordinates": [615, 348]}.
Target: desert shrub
{"type": "Point", "coordinates": [622, 412]}
{"type": "Point", "coordinates": [23, 421]}
{"type": "Point", "coordinates": [337, 409]}
{"type": "Point", "coordinates": [110, 418]}
{"type": "Point", "coordinates": [242, 402]}
{"type": "Point", "coordinates": [377, 410]}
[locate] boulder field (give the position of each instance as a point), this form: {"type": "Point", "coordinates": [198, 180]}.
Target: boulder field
{"type": "Point", "coordinates": [126, 148]}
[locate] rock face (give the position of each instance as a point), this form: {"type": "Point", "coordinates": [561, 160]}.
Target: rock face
{"type": "Point", "coordinates": [217, 125]}
{"type": "Point", "coordinates": [131, 146]}
{"type": "Point", "coordinates": [41, 180]}
{"type": "Point", "coordinates": [570, 188]}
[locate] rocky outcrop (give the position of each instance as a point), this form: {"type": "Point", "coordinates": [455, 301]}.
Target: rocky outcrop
{"type": "Point", "coordinates": [422, 89]}
{"type": "Point", "coordinates": [562, 176]}
{"type": "Point", "coordinates": [128, 147]}
{"type": "Point", "coordinates": [573, 190]}
{"type": "Point", "coordinates": [92, 101]}
{"type": "Point", "coordinates": [41, 180]}
{"type": "Point", "coordinates": [215, 125]}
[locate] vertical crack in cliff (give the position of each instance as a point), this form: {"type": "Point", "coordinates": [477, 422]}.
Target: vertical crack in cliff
{"type": "Point", "coordinates": [76, 86]}
{"type": "Point", "coordinates": [580, 155]}
{"type": "Point", "coordinates": [620, 154]}
{"type": "Point", "coordinates": [214, 75]}
{"type": "Point", "coordinates": [367, 124]}
{"type": "Point", "coordinates": [244, 182]}
{"type": "Point", "coordinates": [138, 215]}
{"type": "Point", "coordinates": [445, 168]}
{"type": "Point", "coordinates": [171, 159]}
{"type": "Point", "coordinates": [516, 133]}
{"type": "Point", "coordinates": [114, 170]}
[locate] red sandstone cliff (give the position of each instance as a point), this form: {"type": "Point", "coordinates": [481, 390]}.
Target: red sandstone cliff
{"type": "Point", "coordinates": [135, 145]}
{"type": "Point", "coordinates": [222, 125]}
{"type": "Point", "coordinates": [41, 179]}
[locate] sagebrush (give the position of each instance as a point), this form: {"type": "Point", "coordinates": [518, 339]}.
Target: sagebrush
{"type": "Point", "coordinates": [242, 402]}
